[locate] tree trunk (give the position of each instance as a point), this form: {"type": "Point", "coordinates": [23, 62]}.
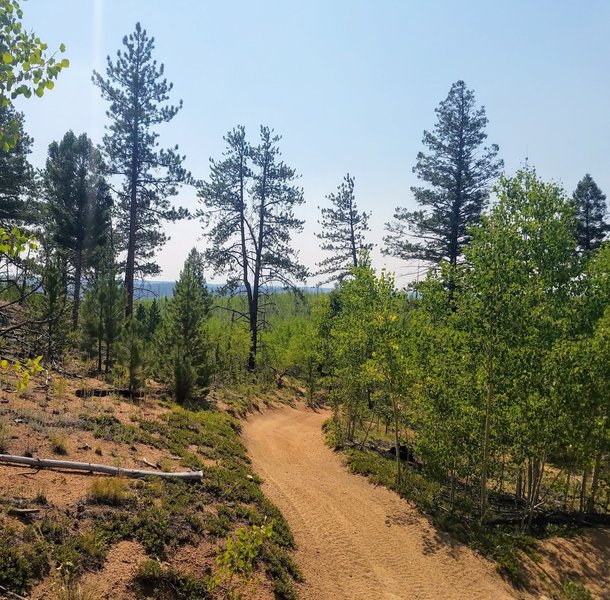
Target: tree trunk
{"type": "Point", "coordinates": [519, 483]}
{"type": "Point", "coordinates": [253, 322]}
{"type": "Point", "coordinates": [353, 235]}
{"type": "Point", "coordinates": [583, 489]}
{"type": "Point", "coordinates": [130, 264]}
{"type": "Point", "coordinates": [594, 482]}
{"type": "Point", "coordinates": [396, 440]}
{"type": "Point", "coordinates": [536, 469]}
{"type": "Point", "coordinates": [131, 248]}
{"type": "Point", "coordinates": [260, 243]}
{"type": "Point", "coordinates": [485, 465]}
{"type": "Point", "coordinates": [78, 267]}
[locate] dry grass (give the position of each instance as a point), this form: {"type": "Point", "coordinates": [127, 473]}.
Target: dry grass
{"type": "Point", "coordinates": [109, 490]}
{"type": "Point", "coordinates": [59, 445]}
{"type": "Point", "coordinates": [5, 437]}
{"type": "Point", "coordinates": [73, 590]}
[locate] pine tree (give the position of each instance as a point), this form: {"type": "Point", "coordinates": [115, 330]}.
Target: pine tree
{"type": "Point", "coordinates": [54, 309]}
{"type": "Point", "coordinates": [249, 212]}
{"type": "Point", "coordinates": [182, 340]}
{"type": "Point", "coordinates": [78, 206]}
{"type": "Point", "coordinates": [138, 95]}
{"type": "Point", "coordinates": [343, 229]}
{"type": "Point", "coordinates": [103, 318]}
{"type": "Point", "coordinates": [16, 173]}
{"type": "Point", "coordinates": [196, 260]}
{"type": "Point", "coordinates": [591, 225]}
{"type": "Point", "coordinates": [153, 319]}
{"type": "Point", "coordinates": [458, 171]}
{"type": "Point", "coordinates": [131, 353]}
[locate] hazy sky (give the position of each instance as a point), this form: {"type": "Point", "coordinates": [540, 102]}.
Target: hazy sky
{"type": "Point", "coordinates": [350, 85]}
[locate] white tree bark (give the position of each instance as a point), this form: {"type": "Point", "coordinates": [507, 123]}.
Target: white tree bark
{"type": "Point", "coordinates": [46, 463]}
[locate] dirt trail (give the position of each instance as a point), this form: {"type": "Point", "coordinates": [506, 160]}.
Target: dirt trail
{"type": "Point", "coordinates": [357, 541]}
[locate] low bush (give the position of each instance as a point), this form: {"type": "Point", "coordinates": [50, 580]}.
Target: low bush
{"type": "Point", "coordinates": [23, 559]}
{"type": "Point", "coordinates": [163, 582]}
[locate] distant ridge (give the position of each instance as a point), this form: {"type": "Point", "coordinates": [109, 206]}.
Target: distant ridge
{"type": "Point", "coordinates": [165, 289]}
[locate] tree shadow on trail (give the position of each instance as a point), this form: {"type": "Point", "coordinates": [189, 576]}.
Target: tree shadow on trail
{"type": "Point", "coordinates": [434, 541]}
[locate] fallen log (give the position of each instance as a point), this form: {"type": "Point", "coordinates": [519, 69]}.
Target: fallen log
{"type": "Point", "coordinates": [46, 463]}
{"type": "Point", "coordinates": [22, 512]}
{"type": "Point", "coordinates": [10, 594]}
{"type": "Point", "coordinates": [101, 393]}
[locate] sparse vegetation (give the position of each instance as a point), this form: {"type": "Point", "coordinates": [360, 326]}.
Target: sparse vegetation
{"type": "Point", "coordinates": [5, 436]}
{"type": "Point", "coordinates": [164, 582]}
{"type": "Point", "coordinates": [59, 443]}
{"type": "Point", "coordinates": [109, 490]}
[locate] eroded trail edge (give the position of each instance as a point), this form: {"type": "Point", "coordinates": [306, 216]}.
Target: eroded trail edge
{"type": "Point", "coordinates": [356, 540]}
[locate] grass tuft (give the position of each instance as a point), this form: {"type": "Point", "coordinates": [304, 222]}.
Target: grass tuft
{"type": "Point", "coordinates": [113, 491]}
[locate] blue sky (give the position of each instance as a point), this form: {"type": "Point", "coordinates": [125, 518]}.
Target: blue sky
{"type": "Point", "coordinates": [350, 85]}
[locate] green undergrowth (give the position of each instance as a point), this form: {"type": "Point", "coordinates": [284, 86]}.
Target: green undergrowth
{"type": "Point", "coordinates": [504, 545]}
{"type": "Point", "coordinates": [246, 398]}
{"type": "Point", "coordinates": [162, 582]}
{"type": "Point", "coordinates": [160, 514]}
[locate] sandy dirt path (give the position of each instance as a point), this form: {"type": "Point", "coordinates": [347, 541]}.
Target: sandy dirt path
{"type": "Point", "coordinates": [357, 541]}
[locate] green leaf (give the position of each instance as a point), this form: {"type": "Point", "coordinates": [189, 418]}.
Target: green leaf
{"type": "Point", "coordinates": [7, 58]}
{"type": "Point", "coordinates": [62, 47]}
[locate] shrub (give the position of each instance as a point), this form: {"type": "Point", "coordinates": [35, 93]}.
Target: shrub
{"type": "Point", "coordinates": [237, 560]}
{"type": "Point", "coordinates": [165, 582]}
{"type": "Point", "coordinates": [22, 560]}
{"type": "Point", "coordinates": [83, 552]}
{"type": "Point", "coordinates": [574, 590]}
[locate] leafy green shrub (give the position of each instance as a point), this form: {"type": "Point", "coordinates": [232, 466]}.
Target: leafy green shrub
{"type": "Point", "coordinates": [575, 590]}
{"type": "Point", "coordinates": [332, 430]}
{"type": "Point", "coordinates": [109, 428]}
{"type": "Point", "coordinates": [237, 560]}
{"type": "Point", "coordinates": [23, 560]}
{"type": "Point", "coordinates": [83, 552]}
{"type": "Point", "coordinates": [152, 530]}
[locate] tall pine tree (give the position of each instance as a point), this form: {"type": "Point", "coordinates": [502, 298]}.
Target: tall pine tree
{"type": "Point", "coordinates": [458, 171]}
{"type": "Point", "coordinates": [591, 209]}
{"type": "Point", "coordinates": [249, 213]}
{"type": "Point", "coordinates": [78, 206]}
{"type": "Point", "coordinates": [343, 232]}
{"type": "Point", "coordinates": [138, 95]}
